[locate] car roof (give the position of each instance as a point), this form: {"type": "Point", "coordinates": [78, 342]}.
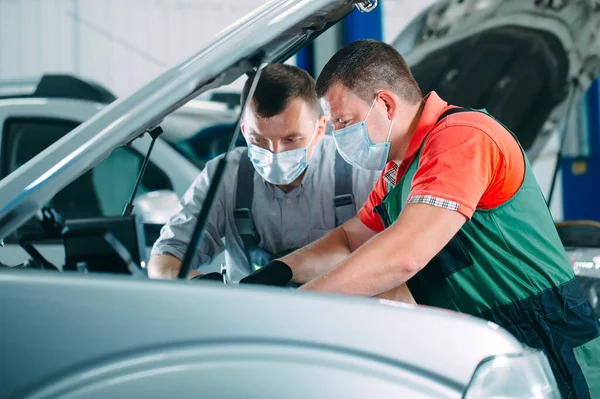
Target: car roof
{"type": "Point", "coordinates": [272, 33]}
{"type": "Point", "coordinates": [71, 87]}
{"type": "Point", "coordinates": [55, 86]}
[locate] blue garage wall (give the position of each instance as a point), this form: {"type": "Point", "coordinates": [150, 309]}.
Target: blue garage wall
{"type": "Point", "coordinates": [305, 59]}
{"type": "Point", "coordinates": [358, 25]}
{"type": "Point", "coordinates": [581, 177]}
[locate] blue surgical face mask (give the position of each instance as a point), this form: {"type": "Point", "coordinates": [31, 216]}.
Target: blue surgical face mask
{"type": "Point", "coordinates": [354, 145]}
{"type": "Point", "coordinates": [281, 168]}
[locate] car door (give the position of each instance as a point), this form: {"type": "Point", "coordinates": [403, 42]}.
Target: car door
{"type": "Point", "coordinates": [102, 191]}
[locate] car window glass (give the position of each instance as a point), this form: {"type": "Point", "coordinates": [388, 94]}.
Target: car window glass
{"type": "Point", "coordinates": [23, 139]}
{"type": "Point", "coordinates": [113, 180]}
{"type": "Point", "coordinates": [207, 143]}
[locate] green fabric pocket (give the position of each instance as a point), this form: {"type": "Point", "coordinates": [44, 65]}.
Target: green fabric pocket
{"type": "Point", "coordinates": [588, 358]}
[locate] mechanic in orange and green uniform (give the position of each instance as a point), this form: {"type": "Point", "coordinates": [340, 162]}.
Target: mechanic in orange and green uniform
{"type": "Point", "coordinates": [457, 215]}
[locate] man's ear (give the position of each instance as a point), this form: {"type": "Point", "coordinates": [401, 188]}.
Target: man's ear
{"type": "Point", "coordinates": [390, 103]}
{"type": "Point", "coordinates": [243, 130]}
{"type": "Point", "coordinates": [321, 126]}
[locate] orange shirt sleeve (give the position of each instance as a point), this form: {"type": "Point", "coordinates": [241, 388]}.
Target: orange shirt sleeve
{"type": "Point", "coordinates": [460, 167]}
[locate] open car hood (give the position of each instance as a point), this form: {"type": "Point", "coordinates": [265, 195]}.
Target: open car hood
{"type": "Point", "coordinates": [516, 58]}
{"type": "Point", "coordinates": [272, 33]}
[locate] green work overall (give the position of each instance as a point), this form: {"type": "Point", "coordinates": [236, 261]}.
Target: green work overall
{"type": "Point", "coordinates": [507, 265]}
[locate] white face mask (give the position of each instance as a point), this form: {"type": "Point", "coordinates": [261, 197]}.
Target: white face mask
{"type": "Point", "coordinates": [354, 145]}
{"type": "Point", "coordinates": [281, 168]}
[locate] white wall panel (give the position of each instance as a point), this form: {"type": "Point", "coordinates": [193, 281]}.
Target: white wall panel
{"type": "Point", "coordinates": [48, 30]}
{"type": "Point", "coordinates": [121, 44]}
{"type": "Point", "coordinates": [10, 37]}
{"type": "Point", "coordinates": [28, 20]}
{"type": "Point", "coordinates": [398, 13]}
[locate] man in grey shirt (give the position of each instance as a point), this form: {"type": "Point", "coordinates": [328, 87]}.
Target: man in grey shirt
{"type": "Point", "coordinates": [287, 189]}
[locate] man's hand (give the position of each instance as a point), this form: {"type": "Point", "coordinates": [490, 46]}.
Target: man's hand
{"type": "Point", "coordinates": [275, 273]}
{"type": "Point", "coordinates": [392, 257]}
{"type": "Point", "coordinates": [166, 267]}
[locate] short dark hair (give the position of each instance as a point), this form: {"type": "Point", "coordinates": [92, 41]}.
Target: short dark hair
{"type": "Point", "coordinates": [366, 66]}
{"type": "Point", "coordinates": [277, 86]}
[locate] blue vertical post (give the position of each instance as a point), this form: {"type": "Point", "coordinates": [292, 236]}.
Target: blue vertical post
{"type": "Point", "coordinates": [305, 59]}
{"type": "Point", "coordinates": [581, 177]}
{"type": "Point", "coordinates": [355, 26]}
{"type": "Point", "coordinates": [358, 25]}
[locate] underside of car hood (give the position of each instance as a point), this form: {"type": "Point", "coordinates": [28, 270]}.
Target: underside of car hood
{"type": "Point", "coordinates": [519, 59]}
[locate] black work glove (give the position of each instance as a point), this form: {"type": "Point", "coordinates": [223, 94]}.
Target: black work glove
{"type": "Point", "coordinates": [215, 276]}
{"type": "Point", "coordinates": [275, 273]}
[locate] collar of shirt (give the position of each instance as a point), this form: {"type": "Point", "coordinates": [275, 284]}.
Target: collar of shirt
{"type": "Point", "coordinates": [314, 160]}
{"type": "Point", "coordinates": [434, 107]}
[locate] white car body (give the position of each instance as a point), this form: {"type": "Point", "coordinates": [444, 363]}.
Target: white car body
{"type": "Point", "coordinates": [181, 172]}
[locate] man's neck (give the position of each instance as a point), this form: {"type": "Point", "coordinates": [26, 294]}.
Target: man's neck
{"type": "Point", "coordinates": [400, 146]}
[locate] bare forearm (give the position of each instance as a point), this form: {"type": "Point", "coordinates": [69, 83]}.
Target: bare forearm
{"type": "Point", "coordinates": [395, 255]}
{"type": "Point", "coordinates": [399, 293]}
{"type": "Point", "coordinates": [318, 257]}
{"type": "Point", "coordinates": [366, 272]}
{"type": "Point", "coordinates": [166, 267]}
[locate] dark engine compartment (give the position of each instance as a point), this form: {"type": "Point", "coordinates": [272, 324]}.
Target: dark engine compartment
{"type": "Point", "coordinates": [519, 75]}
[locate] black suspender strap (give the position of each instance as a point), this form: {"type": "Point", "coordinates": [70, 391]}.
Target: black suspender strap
{"type": "Point", "coordinates": [456, 110]}
{"type": "Point", "coordinates": [242, 212]}
{"type": "Point", "coordinates": [244, 192]}
{"type": "Point", "coordinates": [343, 200]}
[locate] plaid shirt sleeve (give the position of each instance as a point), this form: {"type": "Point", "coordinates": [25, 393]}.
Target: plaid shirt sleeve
{"type": "Point", "coordinates": [434, 201]}
{"type": "Point", "coordinates": [457, 166]}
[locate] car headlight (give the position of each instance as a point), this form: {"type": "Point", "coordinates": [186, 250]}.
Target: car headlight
{"type": "Point", "coordinates": [586, 266]}
{"type": "Point", "coordinates": [585, 261]}
{"type": "Point", "coordinates": [527, 375]}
